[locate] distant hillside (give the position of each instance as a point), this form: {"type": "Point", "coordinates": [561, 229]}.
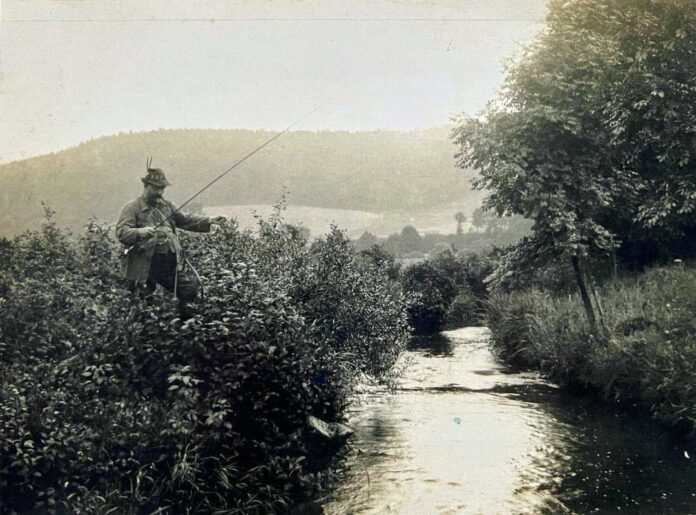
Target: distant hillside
{"type": "Point", "coordinates": [379, 171]}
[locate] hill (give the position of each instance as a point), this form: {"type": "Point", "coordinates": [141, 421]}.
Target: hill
{"type": "Point", "coordinates": [377, 172]}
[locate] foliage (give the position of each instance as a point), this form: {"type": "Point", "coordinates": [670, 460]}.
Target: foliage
{"type": "Point", "coordinates": [432, 291]}
{"type": "Point", "coordinates": [497, 232]}
{"type": "Point", "coordinates": [377, 256]}
{"type": "Point", "coordinates": [109, 403]}
{"type": "Point", "coordinates": [592, 135]}
{"type": "Point", "coordinates": [468, 270]}
{"type": "Point", "coordinates": [365, 241]}
{"type": "Point", "coordinates": [393, 245]}
{"type": "Point", "coordinates": [446, 289]}
{"type": "Point", "coordinates": [411, 240]}
{"type": "Point", "coordinates": [464, 310]}
{"type": "Point", "coordinates": [506, 317]}
{"type": "Point", "coordinates": [649, 353]}
{"type": "Point", "coordinates": [460, 218]}
{"type": "Point", "coordinates": [478, 218]}
{"type": "Point", "coordinates": [355, 306]}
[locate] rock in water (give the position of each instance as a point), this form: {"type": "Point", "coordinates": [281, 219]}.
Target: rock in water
{"type": "Point", "coordinates": [332, 431]}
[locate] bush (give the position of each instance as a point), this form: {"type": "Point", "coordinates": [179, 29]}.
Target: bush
{"type": "Point", "coordinates": [465, 310]}
{"type": "Point", "coordinates": [377, 256]}
{"type": "Point", "coordinates": [432, 290]}
{"type": "Point", "coordinates": [447, 289]}
{"type": "Point", "coordinates": [357, 311]}
{"type": "Point", "coordinates": [108, 403]}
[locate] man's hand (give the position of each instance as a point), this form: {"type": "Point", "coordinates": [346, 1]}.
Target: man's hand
{"type": "Point", "coordinates": [145, 233]}
{"type": "Point", "coordinates": [218, 220]}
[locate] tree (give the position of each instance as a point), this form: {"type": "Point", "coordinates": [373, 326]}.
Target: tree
{"type": "Point", "coordinates": [478, 219]}
{"type": "Point", "coordinates": [493, 225]}
{"type": "Point", "coordinates": [592, 136]}
{"type": "Point", "coordinates": [460, 218]}
{"type": "Point", "coordinates": [410, 239]}
{"type": "Point", "coordinates": [439, 248]}
{"type": "Point", "coordinates": [366, 241]}
{"type": "Point", "coordinates": [380, 258]}
{"type": "Point", "coordinates": [393, 244]}
{"type": "Point", "coordinates": [432, 290]}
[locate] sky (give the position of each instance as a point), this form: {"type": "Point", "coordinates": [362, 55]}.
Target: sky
{"type": "Point", "coordinates": [72, 70]}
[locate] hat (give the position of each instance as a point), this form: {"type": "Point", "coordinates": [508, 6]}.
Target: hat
{"type": "Point", "coordinates": [156, 177]}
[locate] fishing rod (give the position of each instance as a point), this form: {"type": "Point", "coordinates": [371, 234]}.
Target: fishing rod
{"type": "Point", "coordinates": [235, 165]}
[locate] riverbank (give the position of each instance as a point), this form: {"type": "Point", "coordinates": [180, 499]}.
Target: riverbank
{"type": "Point", "coordinates": [647, 359]}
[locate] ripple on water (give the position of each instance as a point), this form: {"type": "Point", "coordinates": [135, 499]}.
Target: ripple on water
{"type": "Point", "coordinates": [466, 436]}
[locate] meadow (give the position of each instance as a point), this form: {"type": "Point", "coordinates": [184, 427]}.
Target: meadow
{"type": "Point", "coordinates": [319, 219]}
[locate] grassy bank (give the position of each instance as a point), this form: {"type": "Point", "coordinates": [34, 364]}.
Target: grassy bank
{"type": "Point", "coordinates": [650, 353]}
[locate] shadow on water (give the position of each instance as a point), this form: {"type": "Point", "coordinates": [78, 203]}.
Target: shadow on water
{"type": "Point", "coordinates": [464, 435]}
{"type": "Point", "coordinates": [432, 345]}
{"type": "Point", "coordinates": [599, 458]}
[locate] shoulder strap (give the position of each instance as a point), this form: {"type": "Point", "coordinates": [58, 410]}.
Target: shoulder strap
{"type": "Point", "coordinates": [166, 217]}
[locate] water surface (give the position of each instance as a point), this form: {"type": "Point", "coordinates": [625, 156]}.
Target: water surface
{"type": "Point", "coordinates": [463, 434]}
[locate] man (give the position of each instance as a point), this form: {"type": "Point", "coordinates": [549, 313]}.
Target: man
{"type": "Point", "coordinates": [147, 226]}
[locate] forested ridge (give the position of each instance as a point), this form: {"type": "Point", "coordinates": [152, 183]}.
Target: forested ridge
{"type": "Point", "coordinates": [371, 171]}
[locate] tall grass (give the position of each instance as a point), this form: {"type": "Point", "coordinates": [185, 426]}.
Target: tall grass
{"type": "Point", "coordinates": [648, 357]}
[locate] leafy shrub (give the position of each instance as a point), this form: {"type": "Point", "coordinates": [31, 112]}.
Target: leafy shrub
{"type": "Point", "coordinates": [464, 310]}
{"type": "Point", "coordinates": [357, 311]}
{"type": "Point", "coordinates": [446, 289]}
{"type": "Point", "coordinates": [432, 291]}
{"type": "Point", "coordinates": [110, 403]}
{"type": "Point", "coordinates": [377, 256]}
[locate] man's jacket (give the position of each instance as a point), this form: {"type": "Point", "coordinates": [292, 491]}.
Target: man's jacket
{"type": "Point", "coordinates": [138, 213]}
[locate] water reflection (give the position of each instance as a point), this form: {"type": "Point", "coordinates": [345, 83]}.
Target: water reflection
{"type": "Point", "coordinates": [604, 460]}
{"type": "Point", "coordinates": [432, 345]}
{"type": "Point", "coordinates": [466, 436]}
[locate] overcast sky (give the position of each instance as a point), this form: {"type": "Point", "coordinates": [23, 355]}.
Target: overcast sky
{"type": "Point", "coordinates": [72, 70]}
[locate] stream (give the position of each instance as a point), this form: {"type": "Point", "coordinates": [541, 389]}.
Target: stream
{"type": "Point", "coordinates": [463, 434]}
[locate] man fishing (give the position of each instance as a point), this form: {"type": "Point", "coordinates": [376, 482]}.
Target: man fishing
{"type": "Point", "coordinates": [147, 226]}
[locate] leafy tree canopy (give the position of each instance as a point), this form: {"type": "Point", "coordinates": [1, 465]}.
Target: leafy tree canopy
{"type": "Point", "coordinates": [592, 136]}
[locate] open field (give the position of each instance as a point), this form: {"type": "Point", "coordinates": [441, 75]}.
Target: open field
{"type": "Point", "coordinates": [437, 220]}
{"type": "Point", "coordinates": [318, 219]}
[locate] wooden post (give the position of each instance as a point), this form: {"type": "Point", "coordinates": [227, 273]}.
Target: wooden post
{"type": "Point", "coordinates": [587, 303]}
{"type": "Point", "coordinates": [598, 305]}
